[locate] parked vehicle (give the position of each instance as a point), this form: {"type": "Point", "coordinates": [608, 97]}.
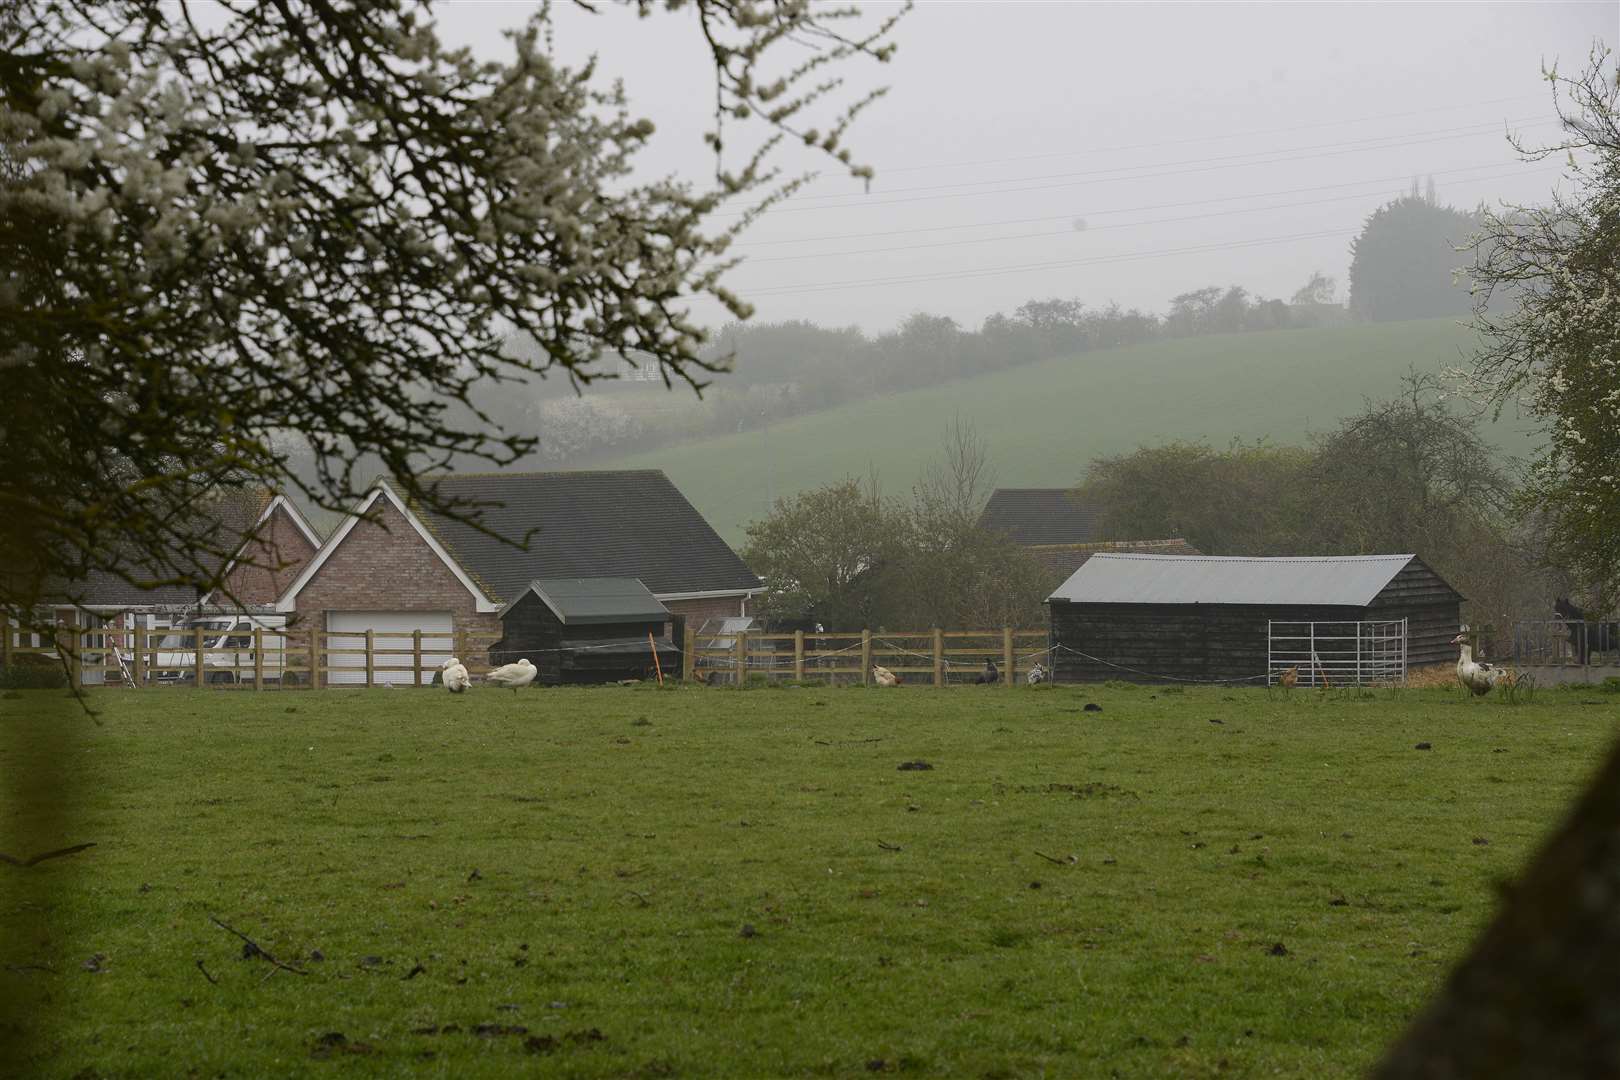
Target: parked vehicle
{"type": "Point", "coordinates": [228, 655]}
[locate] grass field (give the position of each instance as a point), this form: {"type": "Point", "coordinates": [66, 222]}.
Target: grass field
{"type": "Point", "coordinates": [1044, 422]}
{"type": "Point", "coordinates": [701, 882]}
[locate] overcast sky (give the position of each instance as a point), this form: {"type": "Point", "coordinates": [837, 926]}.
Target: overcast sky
{"type": "Point", "coordinates": [1043, 149]}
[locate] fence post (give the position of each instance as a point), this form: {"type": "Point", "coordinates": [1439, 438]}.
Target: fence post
{"type": "Point", "coordinates": [371, 646]}
{"type": "Point", "coordinates": [1007, 656]}
{"type": "Point", "coordinates": [939, 657]}
{"type": "Point", "coordinates": [5, 648]}
{"type": "Point", "coordinates": [742, 657]}
{"type": "Point", "coordinates": [258, 658]}
{"type": "Point", "coordinates": [798, 656]}
{"type": "Point", "coordinates": [688, 661]}
{"type": "Point", "coordinates": [314, 658]}
{"type": "Point", "coordinates": [197, 657]}
{"type": "Point", "coordinates": [137, 669]}
{"type": "Point", "coordinates": [866, 658]}
{"type": "Point", "coordinates": [416, 656]}
{"type": "Point", "coordinates": [75, 657]}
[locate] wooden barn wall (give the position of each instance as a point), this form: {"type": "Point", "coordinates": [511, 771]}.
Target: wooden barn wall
{"type": "Point", "coordinates": [532, 630]}
{"type": "Point", "coordinates": [1167, 642]}
{"type": "Point", "coordinates": [1432, 610]}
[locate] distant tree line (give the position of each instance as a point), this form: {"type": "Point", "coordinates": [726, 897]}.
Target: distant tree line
{"type": "Point", "coordinates": [1405, 475]}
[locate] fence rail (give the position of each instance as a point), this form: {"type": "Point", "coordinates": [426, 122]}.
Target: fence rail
{"type": "Point", "coordinates": [1566, 643]}
{"type": "Point", "coordinates": [1337, 653]}
{"type": "Point", "coordinates": [283, 659]}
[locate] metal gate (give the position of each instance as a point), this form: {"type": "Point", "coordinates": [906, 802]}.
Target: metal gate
{"type": "Point", "coordinates": [1337, 653]}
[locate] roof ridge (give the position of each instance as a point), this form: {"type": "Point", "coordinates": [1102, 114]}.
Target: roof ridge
{"type": "Point", "coordinates": [531, 474]}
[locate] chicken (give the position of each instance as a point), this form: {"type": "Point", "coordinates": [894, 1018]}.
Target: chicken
{"type": "Point", "coordinates": [513, 676]}
{"type": "Point", "coordinates": [988, 675]}
{"type": "Point", "coordinates": [1289, 679]}
{"type": "Point", "coordinates": [1036, 676]}
{"type": "Point", "coordinates": [882, 676]}
{"type": "Point", "coordinates": [455, 677]}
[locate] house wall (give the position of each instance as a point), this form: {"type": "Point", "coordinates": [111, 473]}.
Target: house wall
{"type": "Point", "coordinates": [384, 565]}
{"type": "Point", "coordinates": [269, 564]}
{"type": "Point", "coordinates": [708, 607]}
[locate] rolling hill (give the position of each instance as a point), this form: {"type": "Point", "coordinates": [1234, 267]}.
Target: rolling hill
{"type": "Point", "coordinates": [1044, 422]}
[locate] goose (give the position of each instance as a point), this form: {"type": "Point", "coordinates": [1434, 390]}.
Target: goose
{"type": "Point", "coordinates": [1036, 676]}
{"type": "Point", "coordinates": [455, 676]}
{"type": "Point", "coordinates": [1478, 677]}
{"type": "Point", "coordinates": [884, 677]}
{"type": "Point", "coordinates": [513, 676]}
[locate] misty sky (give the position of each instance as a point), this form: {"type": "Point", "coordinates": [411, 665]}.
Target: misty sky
{"type": "Point", "coordinates": [1037, 149]}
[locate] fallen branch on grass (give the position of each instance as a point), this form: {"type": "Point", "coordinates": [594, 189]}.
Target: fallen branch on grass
{"type": "Point", "coordinates": [888, 847]}
{"type": "Point", "coordinates": [255, 949]}
{"type": "Point", "coordinates": [1069, 861]}
{"type": "Point", "coordinates": [57, 854]}
{"type": "Point", "coordinates": [206, 974]}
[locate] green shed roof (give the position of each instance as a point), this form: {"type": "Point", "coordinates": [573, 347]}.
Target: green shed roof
{"type": "Point", "coordinates": [584, 601]}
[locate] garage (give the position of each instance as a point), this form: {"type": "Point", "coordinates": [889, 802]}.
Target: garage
{"type": "Point", "coordinates": [392, 637]}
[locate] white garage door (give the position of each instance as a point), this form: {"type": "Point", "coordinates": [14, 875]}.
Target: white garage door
{"type": "Point", "coordinates": [392, 641]}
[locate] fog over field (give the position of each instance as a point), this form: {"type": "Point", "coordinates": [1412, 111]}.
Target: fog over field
{"type": "Point", "coordinates": [1109, 152]}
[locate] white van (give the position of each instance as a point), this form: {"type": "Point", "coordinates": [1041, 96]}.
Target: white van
{"type": "Point", "coordinates": [227, 649]}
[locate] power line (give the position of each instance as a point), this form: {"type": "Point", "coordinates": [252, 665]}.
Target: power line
{"type": "Point", "coordinates": [1115, 179]}
{"type": "Point", "coordinates": [1122, 210]}
{"type": "Point", "coordinates": [1214, 138]}
{"type": "Point", "coordinates": [957, 275]}
{"type": "Point", "coordinates": [1469, 129]}
{"type": "Point", "coordinates": [1100, 228]}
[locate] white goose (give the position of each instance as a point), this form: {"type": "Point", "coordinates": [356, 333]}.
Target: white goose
{"type": "Point", "coordinates": [455, 678]}
{"type": "Point", "coordinates": [1478, 676]}
{"type": "Point", "coordinates": [513, 676]}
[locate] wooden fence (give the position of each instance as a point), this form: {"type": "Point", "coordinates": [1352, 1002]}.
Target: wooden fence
{"type": "Point", "coordinates": [258, 660]}
{"type": "Point", "coordinates": [282, 659]}
{"type": "Point", "coordinates": [936, 657]}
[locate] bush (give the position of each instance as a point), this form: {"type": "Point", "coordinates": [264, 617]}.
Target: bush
{"type": "Point", "coordinates": [1611, 685]}
{"type": "Point", "coordinates": [32, 671]}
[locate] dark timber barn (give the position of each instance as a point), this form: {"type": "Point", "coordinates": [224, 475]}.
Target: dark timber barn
{"type": "Point", "coordinates": [586, 630]}
{"type": "Point", "coordinates": [1160, 618]}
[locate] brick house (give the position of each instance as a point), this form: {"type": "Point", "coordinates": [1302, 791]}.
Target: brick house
{"type": "Point", "coordinates": [395, 568]}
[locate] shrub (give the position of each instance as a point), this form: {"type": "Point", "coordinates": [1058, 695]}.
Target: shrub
{"type": "Point", "coordinates": [32, 671]}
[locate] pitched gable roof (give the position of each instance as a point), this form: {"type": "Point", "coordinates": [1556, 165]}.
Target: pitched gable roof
{"type": "Point", "coordinates": [1334, 581]}
{"type": "Point", "coordinates": [625, 523]}
{"type": "Point", "coordinates": [1041, 516]}
{"type": "Point", "coordinates": [588, 601]}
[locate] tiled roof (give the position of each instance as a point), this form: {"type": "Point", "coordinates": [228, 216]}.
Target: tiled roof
{"type": "Point", "coordinates": [631, 523]}
{"type": "Point", "coordinates": [1040, 516]}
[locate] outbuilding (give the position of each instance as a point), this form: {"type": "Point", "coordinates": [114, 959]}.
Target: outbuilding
{"type": "Point", "coordinates": [1205, 618]}
{"type": "Point", "coordinates": [587, 630]}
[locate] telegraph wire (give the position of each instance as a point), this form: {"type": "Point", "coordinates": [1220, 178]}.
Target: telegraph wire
{"type": "Point", "coordinates": [1100, 228]}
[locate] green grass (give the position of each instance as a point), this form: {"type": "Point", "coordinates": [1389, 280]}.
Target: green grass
{"type": "Point", "coordinates": [624, 838]}
{"type": "Point", "coordinates": [1044, 422]}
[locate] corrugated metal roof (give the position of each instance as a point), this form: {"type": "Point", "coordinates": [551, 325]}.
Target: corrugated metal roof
{"type": "Point", "coordinates": [1339, 580]}
{"type": "Point", "coordinates": [586, 601]}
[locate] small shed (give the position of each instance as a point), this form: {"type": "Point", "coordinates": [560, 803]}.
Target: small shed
{"type": "Point", "coordinates": [1163, 618]}
{"type": "Point", "coordinates": [586, 630]}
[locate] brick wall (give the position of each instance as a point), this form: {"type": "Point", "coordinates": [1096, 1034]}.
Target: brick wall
{"type": "Point", "coordinates": [695, 611]}
{"type": "Point", "coordinates": [386, 566]}
{"type": "Point", "coordinates": [269, 563]}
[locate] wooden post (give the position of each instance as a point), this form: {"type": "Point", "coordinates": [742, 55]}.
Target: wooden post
{"type": "Point", "coordinates": [5, 648]}
{"type": "Point", "coordinates": [742, 658]}
{"type": "Point", "coordinates": [137, 669]}
{"type": "Point", "coordinates": [798, 656]}
{"type": "Point", "coordinates": [1007, 656]}
{"type": "Point", "coordinates": [653, 647]}
{"type": "Point", "coordinates": [416, 656]}
{"type": "Point", "coordinates": [939, 657]}
{"type": "Point", "coordinates": [314, 658]}
{"type": "Point", "coordinates": [688, 659]}
{"type": "Point", "coordinates": [371, 647]}
{"type": "Point", "coordinates": [866, 658]}
{"type": "Point", "coordinates": [75, 657]}
{"type": "Point", "coordinates": [197, 657]}
{"type": "Point", "coordinates": [258, 658]}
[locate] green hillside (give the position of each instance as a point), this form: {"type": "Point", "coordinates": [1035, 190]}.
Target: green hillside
{"type": "Point", "coordinates": [1044, 422]}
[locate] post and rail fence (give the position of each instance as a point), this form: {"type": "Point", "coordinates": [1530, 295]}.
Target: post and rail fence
{"type": "Point", "coordinates": [292, 659]}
